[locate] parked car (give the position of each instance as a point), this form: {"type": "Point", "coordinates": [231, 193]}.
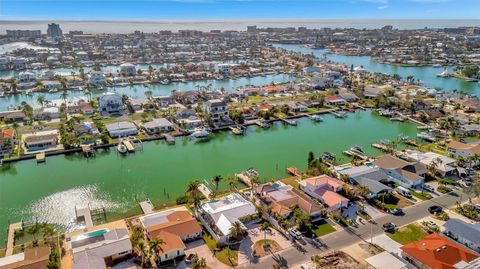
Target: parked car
{"type": "Point", "coordinates": [431, 225]}
{"type": "Point", "coordinates": [190, 257]}
{"type": "Point", "coordinates": [397, 212]}
{"type": "Point", "coordinates": [295, 233]}
{"type": "Point", "coordinates": [435, 209]}
{"type": "Point", "coordinates": [403, 192]}
{"type": "Point", "coordinates": [428, 188]}
{"type": "Point", "coordinates": [389, 227]}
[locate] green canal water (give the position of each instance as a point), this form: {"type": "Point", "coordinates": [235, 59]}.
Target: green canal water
{"type": "Point", "coordinates": [50, 191]}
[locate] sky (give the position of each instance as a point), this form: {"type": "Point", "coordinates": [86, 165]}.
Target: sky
{"type": "Point", "coordinates": [236, 9]}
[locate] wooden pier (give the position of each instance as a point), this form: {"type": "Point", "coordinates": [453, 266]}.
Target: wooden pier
{"type": "Point", "coordinates": [84, 214]}
{"type": "Point", "coordinates": [244, 178]}
{"type": "Point", "coordinates": [169, 138]}
{"type": "Point", "coordinates": [204, 190]}
{"type": "Point", "coordinates": [40, 157]}
{"type": "Point", "coordinates": [147, 207]}
{"type": "Point", "coordinates": [289, 121]}
{"type": "Point", "coordinates": [11, 236]}
{"type": "Point", "coordinates": [88, 151]}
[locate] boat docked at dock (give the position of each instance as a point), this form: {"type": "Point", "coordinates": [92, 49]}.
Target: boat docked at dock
{"type": "Point", "coordinates": [427, 137]}
{"type": "Point", "coordinates": [328, 156]}
{"type": "Point", "coordinates": [356, 151]}
{"type": "Point", "coordinates": [263, 124]}
{"type": "Point", "coordinates": [238, 130]}
{"type": "Point", "coordinates": [315, 118]}
{"type": "Point", "coordinates": [386, 113]}
{"type": "Point", "coordinates": [121, 148]}
{"type": "Point", "coordinates": [199, 133]}
{"type": "Point", "coordinates": [339, 114]}
{"type": "Point", "coordinates": [407, 140]}
{"type": "Point", "coordinates": [444, 74]}
{"type": "Point", "coordinates": [169, 138]}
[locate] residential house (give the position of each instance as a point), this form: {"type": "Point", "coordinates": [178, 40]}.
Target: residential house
{"type": "Point", "coordinates": [188, 119]}
{"type": "Point", "coordinates": [47, 113]}
{"type": "Point", "coordinates": [164, 101]}
{"type": "Point", "coordinates": [102, 250]}
{"type": "Point", "coordinates": [121, 129]}
{"type": "Point", "coordinates": [111, 104]}
{"type": "Point", "coordinates": [32, 258]}
{"type": "Point", "coordinates": [282, 198]}
{"type": "Point", "coordinates": [407, 174]}
{"type": "Point", "coordinates": [221, 213]}
{"type": "Point", "coordinates": [7, 141]}
{"type": "Point", "coordinates": [52, 85]}
{"type": "Point", "coordinates": [463, 149]}
{"type": "Point", "coordinates": [134, 105]}
{"type": "Point", "coordinates": [372, 91]}
{"type": "Point", "coordinates": [86, 108]}
{"type": "Point", "coordinates": [25, 76]}
{"type": "Point", "coordinates": [465, 233]}
{"type": "Point", "coordinates": [349, 97]}
{"type": "Point", "coordinates": [97, 79]}
{"type": "Point", "coordinates": [437, 252]}
{"type": "Point", "coordinates": [334, 100]}
{"type": "Point", "coordinates": [217, 109]}
{"type": "Point", "coordinates": [325, 189]}
{"type": "Point", "coordinates": [13, 116]}
{"type": "Point", "coordinates": [174, 227]}
{"type": "Point", "coordinates": [444, 165]}
{"type": "Point", "coordinates": [186, 97]}
{"type": "Point", "coordinates": [158, 126]}
{"type": "Point", "coordinates": [36, 142]}
{"type": "Point", "coordinates": [19, 63]}
{"type": "Point", "coordinates": [469, 129]}
{"type": "Point", "coordinates": [85, 129]}
{"type": "Point", "coordinates": [369, 177]}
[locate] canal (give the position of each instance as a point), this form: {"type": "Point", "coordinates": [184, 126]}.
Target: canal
{"type": "Point", "coordinates": [426, 74]}
{"type": "Point", "coordinates": [49, 192]}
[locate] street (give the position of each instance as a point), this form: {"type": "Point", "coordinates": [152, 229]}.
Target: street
{"type": "Point", "coordinates": [294, 258]}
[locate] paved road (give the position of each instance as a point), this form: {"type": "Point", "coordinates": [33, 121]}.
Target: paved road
{"type": "Point", "coordinates": [294, 258]}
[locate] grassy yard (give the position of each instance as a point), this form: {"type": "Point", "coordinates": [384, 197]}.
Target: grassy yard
{"type": "Point", "coordinates": [3, 251]}
{"type": "Point", "coordinates": [422, 195]}
{"type": "Point", "coordinates": [323, 229]}
{"type": "Point", "coordinates": [292, 181]}
{"type": "Point", "coordinates": [225, 255]}
{"type": "Point", "coordinates": [408, 234]}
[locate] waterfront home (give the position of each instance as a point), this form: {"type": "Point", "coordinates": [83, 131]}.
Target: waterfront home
{"type": "Point", "coordinates": [407, 174]}
{"type": "Point", "coordinates": [437, 252]}
{"type": "Point", "coordinates": [282, 198]}
{"type": "Point", "coordinates": [294, 107]}
{"type": "Point", "coordinates": [13, 116]}
{"type": "Point", "coordinates": [47, 113]}
{"type": "Point", "coordinates": [444, 165]}
{"type": "Point", "coordinates": [18, 63]}
{"type": "Point", "coordinates": [85, 129]}
{"type": "Point", "coordinates": [7, 141]}
{"type": "Point", "coordinates": [349, 97]}
{"type": "Point", "coordinates": [325, 189]}
{"type": "Point", "coordinates": [32, 258]}
{"type": "Point", "coordinates": [223, 69]}
{"type": "Point", "coordinates": [40, 141]}
{"type": "Point", "coordinates": [465, 233]}
{"type": "Point", "coordinates": [321, 82]}
{"type": "Point", "coordinates": [134, 105]}
{"type": "Point", "coordinates": [26, 76]}
{"type": "Point", "coordinates": [164, 101]}
{"type": "Point", "coordinates": [463, 149]}
{"type": "Point", "coordinates": [52, 85]}
{"type": "Point", "coordinates": [469, 129]}
{"type": "Point", "coordinates": [111, 104]}
{"type": "Point", "coordinates": [372, 91]}
{"type": "Point", "coordinates": [173, 226]}
{"type": "Point", "coordinates": [188, 119]}
{"type": "Point", "coordinates": [100, 249]}
{"type": "Point", "coordinates": [311, 70]}
{"type": "Point", "coordinates": [158, 126]}
{"type": "Point", "coordinates": [186, 97]}
{"type": "Point", "coordinates": [127, 69]}
{"type": "Point", "coordinates": [369, 177]}
{"type": "Point", "coordinates": [334, 100]}
{"type": "Point", "coordinates": [217, 109]}
{"type": "Point", "coordinates": [221, 213]}
{"type": "Point", "coordinates": [121, 129]}
{"type": "Point", "coordinates": [97, 79]}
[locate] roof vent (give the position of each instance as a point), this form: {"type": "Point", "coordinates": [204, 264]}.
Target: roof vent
{"type": "Point", "coordinates": [424, 246]}
{"type": "Point", "coordinates": [439, 249]}
{"type": "Point", "coordinates": [178, 219]}
{"type": "Point", "coordinates": [444, 247]}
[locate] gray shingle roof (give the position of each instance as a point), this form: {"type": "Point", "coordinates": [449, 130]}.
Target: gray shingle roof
{"type": "Point", "coordinates": [465, 230]}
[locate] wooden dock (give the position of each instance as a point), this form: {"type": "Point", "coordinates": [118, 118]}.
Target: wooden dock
{"type": "Point", "coordinates": [84, 214]}
{"type": "Point", "coordinates": [293, 171]}
{"type": "Point", "coordinates": [289, 121]}
{"type": "Point", "coordinates": [169, 138]}
{"type": "Point", "coordinates": [40, 157]}
{"type": "Point", "coordinates": [147, 207]}
{"type": "Point", "coordinates": [244, 178]}
{"type": "Point", "coordinates": [130, 147]}
{"type": "Point", "coordinates": [11, 236]}
{"type": "Point", "coordinates": [204, 190]}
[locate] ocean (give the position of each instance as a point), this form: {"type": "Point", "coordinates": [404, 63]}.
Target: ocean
{"type": "Point", "coordinates": [95, 27]}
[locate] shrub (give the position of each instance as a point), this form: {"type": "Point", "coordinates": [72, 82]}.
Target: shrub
{"type": "Point", "coordinates": [182, 200]}
{"type": "Point", "coordinates": [443, 189]}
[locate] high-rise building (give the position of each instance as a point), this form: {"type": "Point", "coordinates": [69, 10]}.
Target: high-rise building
{"type": "Point", "coordinates": [54, 30]}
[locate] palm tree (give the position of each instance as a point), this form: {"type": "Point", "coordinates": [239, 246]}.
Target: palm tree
{"type": "Point", "coordinates": [316, 259]}
{"type": "Point", "coordinates": [237, 231]}
{"type": "Point", "coordinates": [154, 246]}
{"type": "Point", "coordinates": [433, 166]}
{"type": "Point", "coordinates": [13, 85]}
{"type": "Point", "coordinates": [149, 94]}
{"type": "Point", "coordinates": [194, 194]}
{"type": "Point", "coordinates": [253, 182]}
{"type": "Point", "coordinates": [265, 227]}
{"type": "Point", "coordinates": [33, 230]}
{"type": "Point", "coordinates": [231, 183]}
{"type": "Point", "coordinates": [64, 96]}
{"type": "Point", "coordinates": [41, 100]}
{"type": "Point", "coordinates": [216, 180]}
{"type": "Point", "coordinates": [144, 252]}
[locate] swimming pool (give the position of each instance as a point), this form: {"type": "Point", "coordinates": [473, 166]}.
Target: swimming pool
{"type": "Point", "coordinates": [92, 234]}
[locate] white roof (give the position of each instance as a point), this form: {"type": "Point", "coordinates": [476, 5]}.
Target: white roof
{"type": "Point", "coordinates": [12, 258]}
{"type": "Point", "coordinates": [386, 260]}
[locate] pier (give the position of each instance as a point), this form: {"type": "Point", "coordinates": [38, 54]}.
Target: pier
{"type": "Point", "coordinates": [289, 121]}
{"type": "Point", "coordinates": [88, 151]}
{"type": "Point", "coordinates": [204, 190]}
{"type": "Point", "coordinates": [169, 138]}
{"type": "Point", "coordinates": [147, 207]}
{"type": "Point", "coordinates": [11, 236]}
{"type": "Point", "coordinates": [84, 214]}
{"type": "Point", "coordinates": [244, 178]}
{"type": "Point", "coordinates": [40, 157]}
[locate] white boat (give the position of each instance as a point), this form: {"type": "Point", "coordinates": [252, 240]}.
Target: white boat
{"type": "Point", "coordinates": [426, 136]}
{"type": "Point", "coordinates": [444, 74]}
{"type": "Point", "coordinates": [199, 133]}
{"type": "Point", "coordinates": [237, 130]}
{"type": "Point", "coordinates": [437, 65]}
{"type": "Point", "coordinates": [316, 118]}
{"type": "Point", "coordinates": [122, 148]}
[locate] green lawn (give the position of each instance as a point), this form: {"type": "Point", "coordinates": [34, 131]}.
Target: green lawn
{"type": "Point", "coordinates": [224, 255]}
{"type": "Point", "coordinates": [323, 229]}
{"type": "Point", "coordinates": [408, 234]}
{"type": "Point", "coordinates": [422, 195]}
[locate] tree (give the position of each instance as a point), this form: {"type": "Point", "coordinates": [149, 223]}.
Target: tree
{"type": "Point", "coordinates": [253, 182]}
{"type": "Point", "coordinates": [236, 231]}
{"type": "Point", "coordinates": [317, 260]}
{"type": "Point", "coordinates": [474, 188]}
{"type": "Point", "coordinates": [149, 94]}
{"type": "Point", "coordinates": [33, 230]}
{"type": "Point", "coordinates": [231, 183]}
{"type": "Point", "coordinates": [311, 158]}
{"type": "Point", "coordinates": [41, 100]}
{"type": "Point", "coordinates": [216, 180]}
{"type": "Point", "coordinates": [194, 195]}
{"type": "Point", "coordinates": [54, 259]}
{"type": "Point", "coordinates": [265, 227]}
{"type": "Point", "coordinates": [154, 246]}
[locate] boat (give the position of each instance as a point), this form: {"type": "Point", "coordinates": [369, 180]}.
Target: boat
{"type": "Point", "coordinates": [423, 127]}
{"type": "Point", "coordinates": [339, 114]}
{"type": "Point", "coordinates": [398, 119]}
{"type": "Point", "coordinates": [122, 148]}
{"type": "Point", "coordinates": [239, 130]}
{"type": "Point", "coordinates": [293, 171]}
{"type": "Point", "coordinates": [290, 122]}
{"type": "Point", "coordinates": [407, 140]}
{"type": "Point", "coordinates": [437, 65]}
{"type": "Point", "coordinates": [165, 82]}
{"type": "Point", "coordinates": [426, 136]}
{"type": "Point", "coordinates": [263, 124]}
{"type": "Point", "coordinates": [250, 172]}
{"type": "Point", "coordinates": [357, 149]}
{"type": "Point", "coordinates": [199, 133]}
{"type": "Point", "coordinates": [386, 113]}
{"type": "Point", "coordinates": [316, 118]}
{"type": "Point", "coordinates": [444, 74]}
{"type": "Point", "coordinates": [170, 139]}
{"type": "Point", "coordinates": [328, 156]}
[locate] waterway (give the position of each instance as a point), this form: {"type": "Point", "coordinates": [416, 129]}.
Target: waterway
{"type": "Point", "coordinates": [49, 192]}
{"type": "Point", "coordinates": [138, 91]}
{"type": "Point", "coordinates": [426, 74]}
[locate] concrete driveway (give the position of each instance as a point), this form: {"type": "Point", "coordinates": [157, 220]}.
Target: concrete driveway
{"type": "Point", "coordinates": [387, 243]}
{"type": "Point", "coordinates": [201, 249]}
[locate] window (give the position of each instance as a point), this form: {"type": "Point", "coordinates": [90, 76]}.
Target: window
{"type": "Point", "coordinates": [178, 252]}
{"type": "Point", "coordinates": [166, 256]}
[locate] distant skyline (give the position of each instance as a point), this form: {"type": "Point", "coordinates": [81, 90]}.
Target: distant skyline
{"type": "Point", "coordinates": [236, 9]}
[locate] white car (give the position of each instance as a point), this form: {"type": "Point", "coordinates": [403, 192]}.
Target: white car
{"type": "Point", "coordinates": [295, 233]}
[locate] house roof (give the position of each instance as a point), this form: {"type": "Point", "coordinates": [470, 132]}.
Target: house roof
{"type": "Point", "coordinates": [180, 223]}
{"type": "Point", "coordinates": [35, 258]}
{"type": "Point", "coordinates": [465, 230]}
{"type": "Point", "coordinates": [438, 252]}
{"type": "Point", "coordinates": [37, 138]}
{"type": "Point", "coordinates": [331, 198]}
{"type": "Point", "coordinates": [388, 161]}
{"type": "Point", "coordinates": [475, 148]}
{"type": "Point", "coordinates": [323, 180]}
{"type": "Point", "coordinates": [373, 185]}
{"type": "Point", "coordinates": [171, 241]}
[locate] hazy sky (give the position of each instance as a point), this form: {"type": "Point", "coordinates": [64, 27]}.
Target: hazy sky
{"type": "Point", "coordinates": [237, 9]}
